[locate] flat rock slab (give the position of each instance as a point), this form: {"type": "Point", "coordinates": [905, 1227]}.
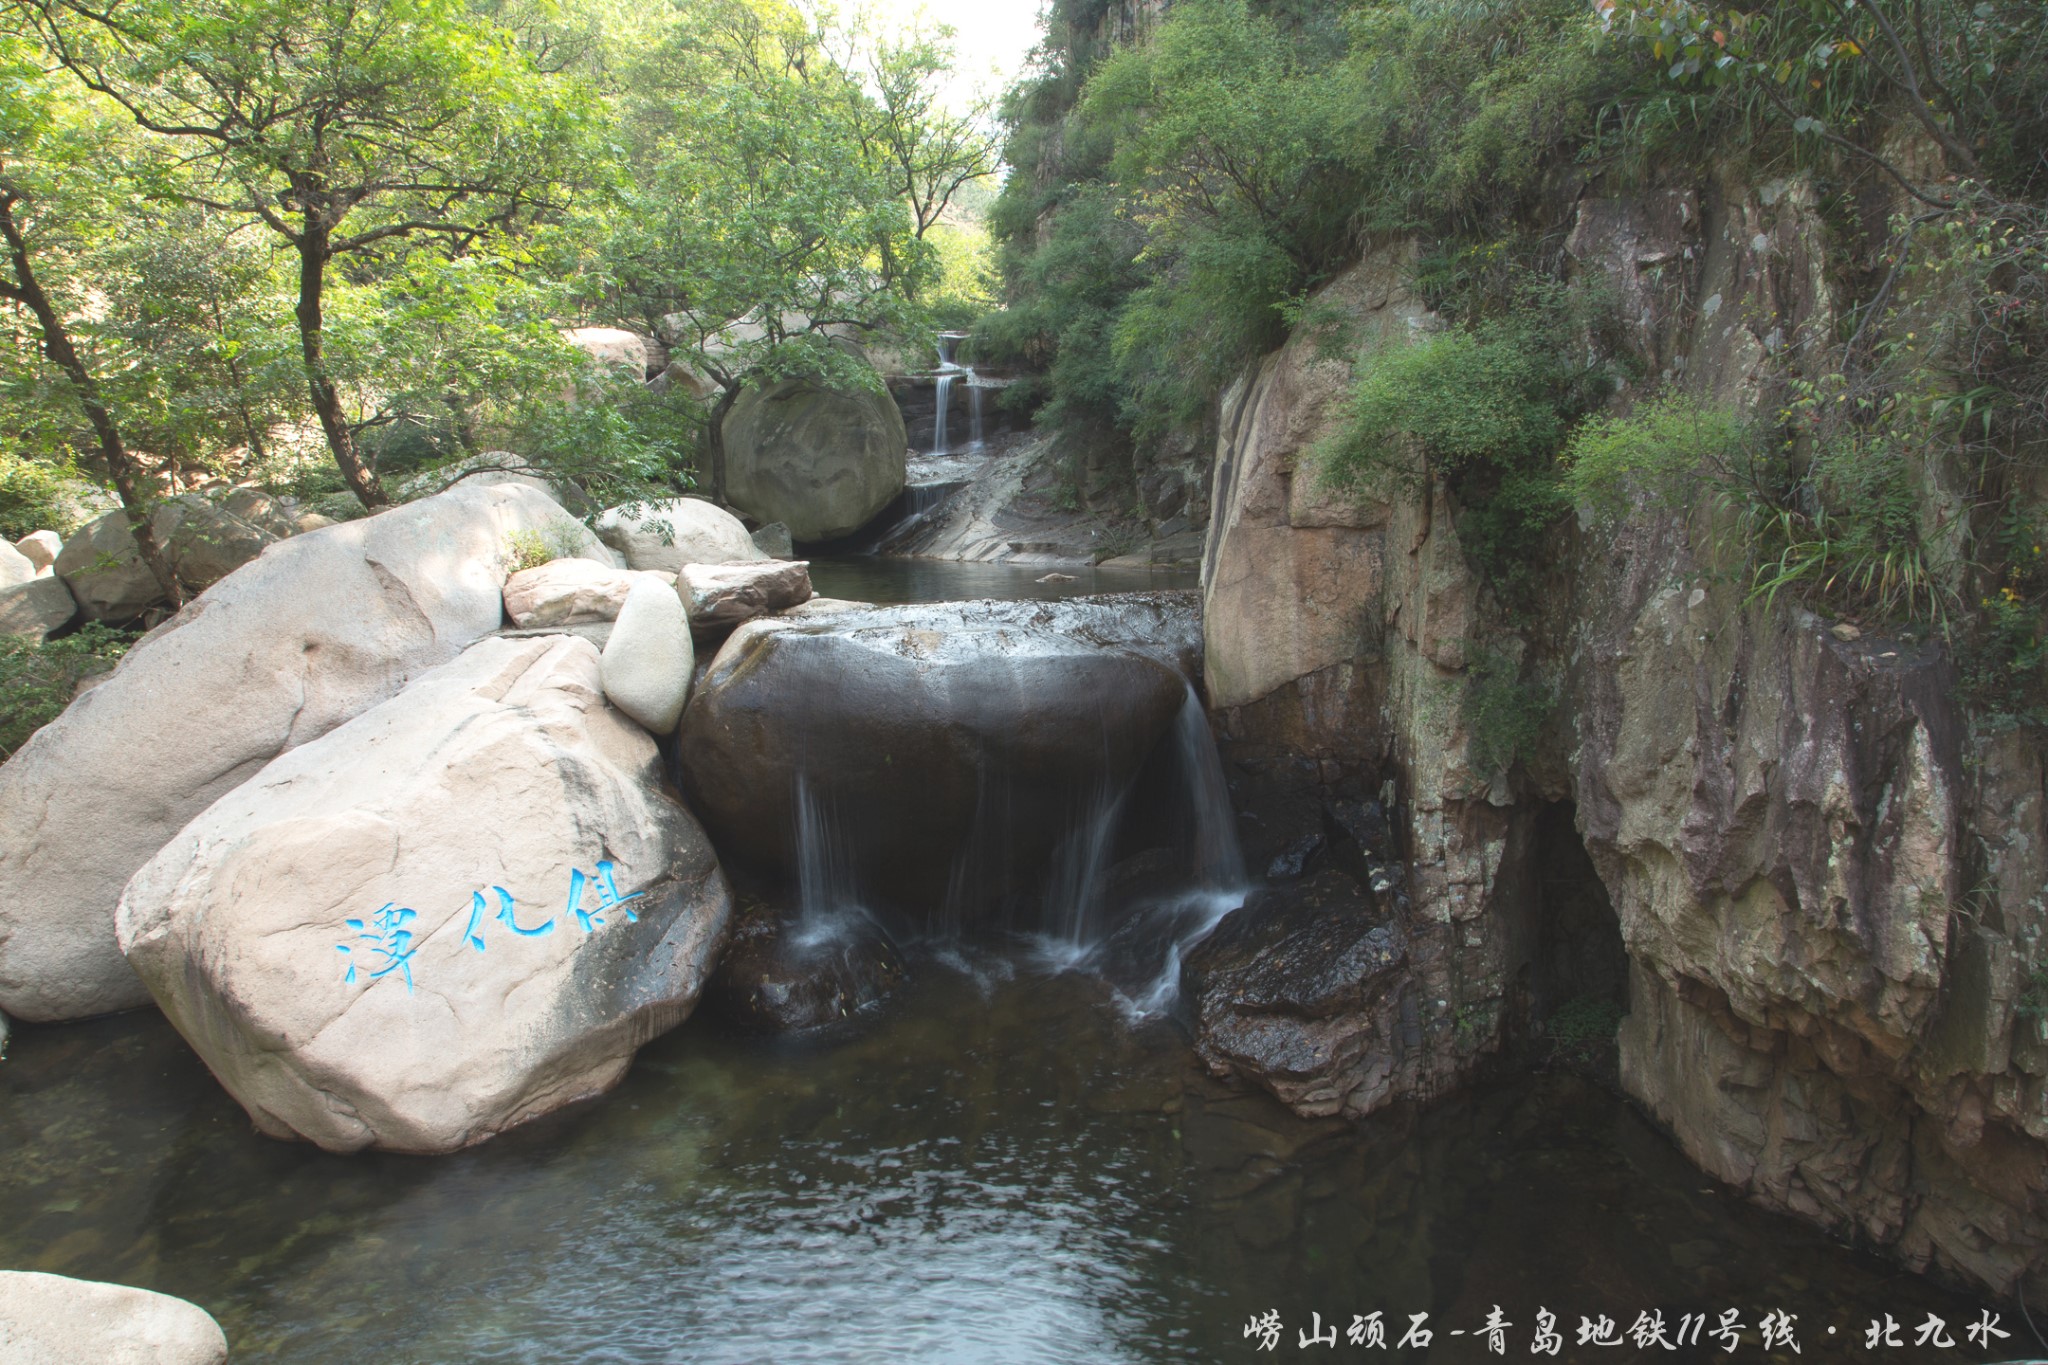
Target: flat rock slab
{"type": "Point", "coordinates": [461, 910]}
{"type": "Point", "coordinates": [567, 592]}
{"type": "Point", "coordinates": [56, 1320]}
{"type": "Point", "coordinates": [720, 596]}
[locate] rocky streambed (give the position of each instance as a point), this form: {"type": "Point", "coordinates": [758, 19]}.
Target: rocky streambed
{"type": "Point", "coordinates": [957, 885]}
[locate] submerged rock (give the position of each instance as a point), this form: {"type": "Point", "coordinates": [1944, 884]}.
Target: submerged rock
{"type": "Point", "coordinates": [463, 909]}
{"type": "Point", "coordinates": [951, 746]}
{"type": "Point", "coordinates": [781, 975]}
{"type": "Point", "coordinates": [56, 1320]}
{"type": "Point", "coordinates": [1305, 991]}
{"type": "Point", "coordinates": [822, 462]}
{"type": "Point", "coordinates": [322, 628]}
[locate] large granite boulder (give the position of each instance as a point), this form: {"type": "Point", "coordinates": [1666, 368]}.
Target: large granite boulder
{"type": "Point", "coordinates": [822, 462]}
{"type": "Point", "coordinates": [948, 754]}
{"type": "Point", "coordinates": [322, 628]}
{"type": "Point", "coordinates": [56, 1320]}
{"type": "Point", "coordinates": [612, 348]}
{"type": "Point", "coordinates": [203, 541]}
{"type": "Point", "coordinates": [106, 575]}
{"type": "Point", "coordinates": [34, 609]}
{"type": "Point", "coordinates": [668, 535]}
{"type": "Point", "coordinates": [464, 908]}
{"type": "Point", "coordinates": [263, 511]}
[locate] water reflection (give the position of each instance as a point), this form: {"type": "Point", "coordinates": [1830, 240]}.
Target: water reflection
{"type": "Point", "coordinates": [1003, 1167]}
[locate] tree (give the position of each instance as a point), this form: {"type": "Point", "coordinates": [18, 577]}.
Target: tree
{"type": "Point", "coordinates": [775, 197]}
{"type": "Point", "coordinates": [347, 127]}
{"type": "Point", "coordinates": [59, 179]}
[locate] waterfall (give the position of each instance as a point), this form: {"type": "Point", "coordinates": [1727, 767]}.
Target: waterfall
{"type": "Point", "coordinates": [1139, 949]}
{"type": "Point", "coordinates": [824, 873]}
{"type": "Point", "coordinates": [945, 383]}
{"type": "Point", "coordinates": [1219, 858]}
{"type": "Point", "coordinates": [1073, 894]}
{"type": "Point", "coordinates": [948, 371]}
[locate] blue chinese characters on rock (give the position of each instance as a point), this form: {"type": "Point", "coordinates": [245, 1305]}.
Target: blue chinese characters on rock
{"type": "Point", "coordinates": [384, 944]}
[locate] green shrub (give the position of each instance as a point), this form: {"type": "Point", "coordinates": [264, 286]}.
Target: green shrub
{"type": "Point", "coordinates": [1483, 406]}
{"type": "Point", "coordinates": [37, 681]}
{"type": "Point", "coordinates": [1669, 451]}
{"type": "Point", "coordinates": [34, 496]}
{"type": "Point", "coordinates": [529, 549]}
{"type": "Point", "coordinates": [1504, 715]}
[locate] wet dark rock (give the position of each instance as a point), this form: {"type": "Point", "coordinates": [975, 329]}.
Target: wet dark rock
{"type": "Point", "coordinates": [1291, 861]}
{"type": "Point", "coordinates": [950, 746]}
{"type": "Point", "coordinates": [778, 975]}
{"type": "Point", "coordinates": [1304, 991]}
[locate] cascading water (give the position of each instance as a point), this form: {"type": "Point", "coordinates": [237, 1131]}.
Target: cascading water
{"type": "Point", "coordinates": [945, 386]}
{"type": "Point", "coordinates": [1141, 953]}
{"type": "Point", "coordinates": [950, 370]}
{"type": "Point", "coordinates": [828, 901]}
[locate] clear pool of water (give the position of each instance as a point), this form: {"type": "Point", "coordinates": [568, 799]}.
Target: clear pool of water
{"type": "Point", "coordinates": [1004, 1166]}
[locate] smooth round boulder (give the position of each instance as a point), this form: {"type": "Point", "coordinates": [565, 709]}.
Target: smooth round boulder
{"type": "Point", "coordinates": [649, 657]}
{"type": "Point", "coordinates": [56, 1320]}
{"type": "Point", "coordinates": [463, 909]}
{"type": "Point", "coordinates": [669, 534]}
{"type": "Point", "coordinates": [951, 756]}
{"type": "Point", "coordinates": [823, 462]}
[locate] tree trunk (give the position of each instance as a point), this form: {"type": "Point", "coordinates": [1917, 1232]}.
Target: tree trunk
{"type": "Point", "coordinates": [714, 440]}
{"type": "Point", "coordinates": [125, 471]}
{"type": "Point", "coordinates": [314, 254]}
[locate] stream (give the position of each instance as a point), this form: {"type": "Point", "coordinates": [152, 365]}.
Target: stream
{"type": "Point", "coordinates": [1009, 1162]}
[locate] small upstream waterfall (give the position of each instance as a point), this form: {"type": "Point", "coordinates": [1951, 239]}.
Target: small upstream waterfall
{"type": "Point", "coordinates": [945, 386]}
{"type": "Point", "coordinates": [949, 371]}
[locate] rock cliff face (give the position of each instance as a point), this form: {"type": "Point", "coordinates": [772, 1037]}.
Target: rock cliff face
{"type": "Point", "coordinates": [1827, 886]}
